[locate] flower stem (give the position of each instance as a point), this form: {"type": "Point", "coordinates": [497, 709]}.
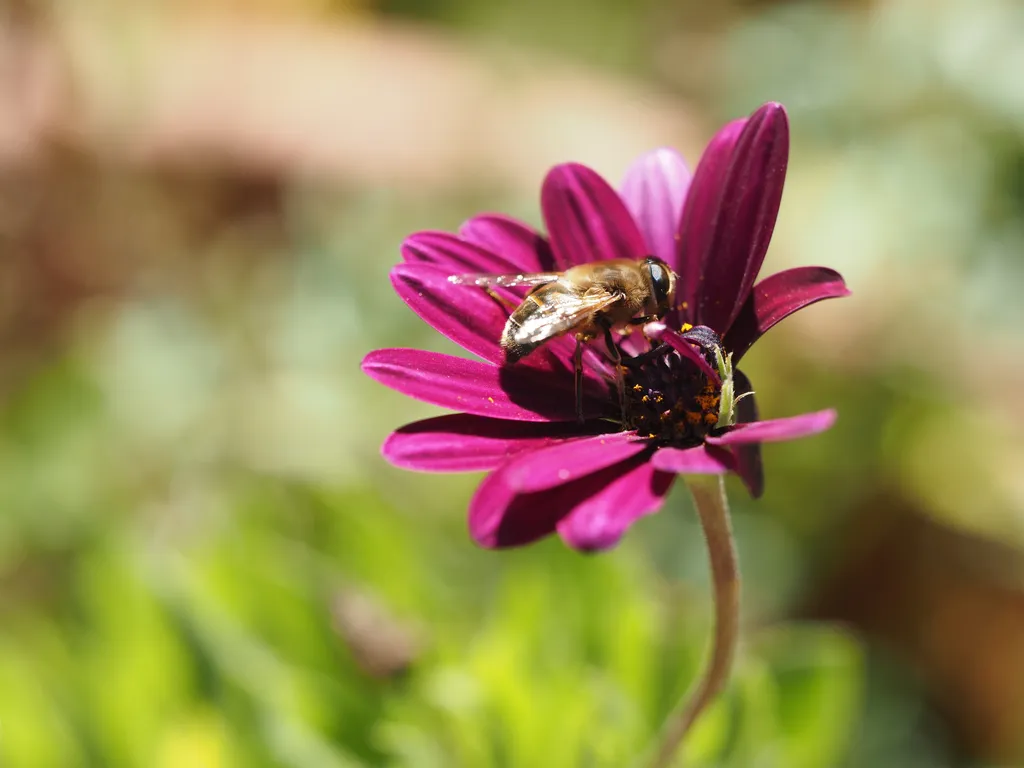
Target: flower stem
{"type": "Point", "coordinates": [713, 508]}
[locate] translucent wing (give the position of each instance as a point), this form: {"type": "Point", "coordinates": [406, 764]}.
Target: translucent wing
{"type": "Point", "coordinates": [554, 310]}
{"type": "Point", "coordinates": [506, 281]}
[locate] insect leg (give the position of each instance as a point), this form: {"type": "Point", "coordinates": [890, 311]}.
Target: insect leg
{"type": "Point", "coordinates": [643, 320]}
{"type": "Point", "coordinates": [616, 356]}
{"type": "Point", "coordinates": [658, 351]}
{"type": "Point", "coordinates": [506, 303]}
{"type": "Point", "coordinates": [577, 360]}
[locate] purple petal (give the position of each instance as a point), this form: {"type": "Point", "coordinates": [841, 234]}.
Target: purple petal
{"type": "Point", "coordinates": [600, 521]}
{"type": "Point", "coordinates": [633, 344]}
{"type": "Point", "coordinates": [466, 315]}
{"type": "Point", "coordinates": [570, 460]}
{"type": "Point", "coordinates": [586, 219]}
{"type": "Point", "coordinates": [776, 298]}
{"type": "Point", "coordinates": [777, 430]}
{"type": "Point", "coordinates": [696, 224]}
{"type": "Point", "coordinates": [501, 517]}
{"type": "Point", "coordinates": [742, 217]}
{"type": "Point", "coordinates": [701, 460]}
{"type": "Point", "coordinates": [749, 465]}
{"type": "Point", "coordinates": [516, 393]}
{"type": "Point", "coordinates": [454, 255]}
{"type": "Point", "coordinates": [470, 317]}
{"type": "Point", "coordinates": [520, 244]}
{"type": "Point", "coordinates": [498, 518]}
{"type": "Point", "coordinates": [653, 190]}
{"type": "Point", "coordinates": [661, 332]}
{"type": "Point", "coordinates": [463, 443]}
{"type": "Point", "coordinates": [746, 218]}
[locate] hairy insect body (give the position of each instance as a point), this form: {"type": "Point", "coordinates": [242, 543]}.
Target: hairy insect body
{"type": "Point", "coordinates": [552, 309]}
{"type": "Point", "coordinates": [588, 300]}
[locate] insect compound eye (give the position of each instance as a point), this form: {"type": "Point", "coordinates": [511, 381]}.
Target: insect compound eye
{"type": "Point", "coordinates": [662, 283]}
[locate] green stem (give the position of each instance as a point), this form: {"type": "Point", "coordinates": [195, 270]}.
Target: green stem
{"type": "Point", "coordinates": [713, 509]}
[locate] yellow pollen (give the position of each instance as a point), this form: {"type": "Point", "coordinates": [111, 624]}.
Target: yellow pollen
{"type": "Point", "coordinates": [685, 326]}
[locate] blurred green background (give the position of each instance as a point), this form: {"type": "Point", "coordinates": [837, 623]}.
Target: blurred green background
{"type": "Point", "coordinates": [204, 561]}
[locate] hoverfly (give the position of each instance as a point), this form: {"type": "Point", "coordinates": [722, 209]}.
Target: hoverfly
{"type": "Point", "coordinates": [588, 300]}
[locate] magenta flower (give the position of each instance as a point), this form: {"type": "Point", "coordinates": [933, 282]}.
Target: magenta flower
{"type": "Point", "coordinates": [591, 481]}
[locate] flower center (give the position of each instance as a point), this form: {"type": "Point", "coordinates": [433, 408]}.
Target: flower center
{"type": "Point", "coordinates": [668, 399]}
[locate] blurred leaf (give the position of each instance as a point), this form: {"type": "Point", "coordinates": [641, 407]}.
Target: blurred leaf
{"type": "Point", "coordinates": [818, 674]}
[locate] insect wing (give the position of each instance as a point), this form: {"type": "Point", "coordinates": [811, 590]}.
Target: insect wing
{"type": "Point", "coordinates": [505, 281]}
{"type": "Point", "coordinates": [559, 311]}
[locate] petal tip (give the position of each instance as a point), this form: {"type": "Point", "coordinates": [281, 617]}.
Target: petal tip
{"type": "Point", "coordinates": [590, 542]}
{"type": "Point", "coordinates": [391, 453]}
{"type": "Point", "coordinates": [388, 453]}
{"type": "Point", "coordinates": [661, 157]}
{"type": "Point", "coordinates": [410, 243]}
{"type": "Point", "coordinates": [769, 126]}
{"type": "Point", "coordinates": [484, 538]}
{"type": "Point", "coordinates": [755, 489]}
{"type": "Point", "coordinates": [369, 361]}
{"type": "Point", "coordinates": [829, 418]}
{"type": "Point", "coordinates": [777, 430]}
{"type": "Point", "coordinates": [402, 272]}
{"type": "Point", "coordinates": [563, 173]}
{"type": "Point", "coordinates": [771, 110]}
{"type": "Point", "coordinates": [483, 520]}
